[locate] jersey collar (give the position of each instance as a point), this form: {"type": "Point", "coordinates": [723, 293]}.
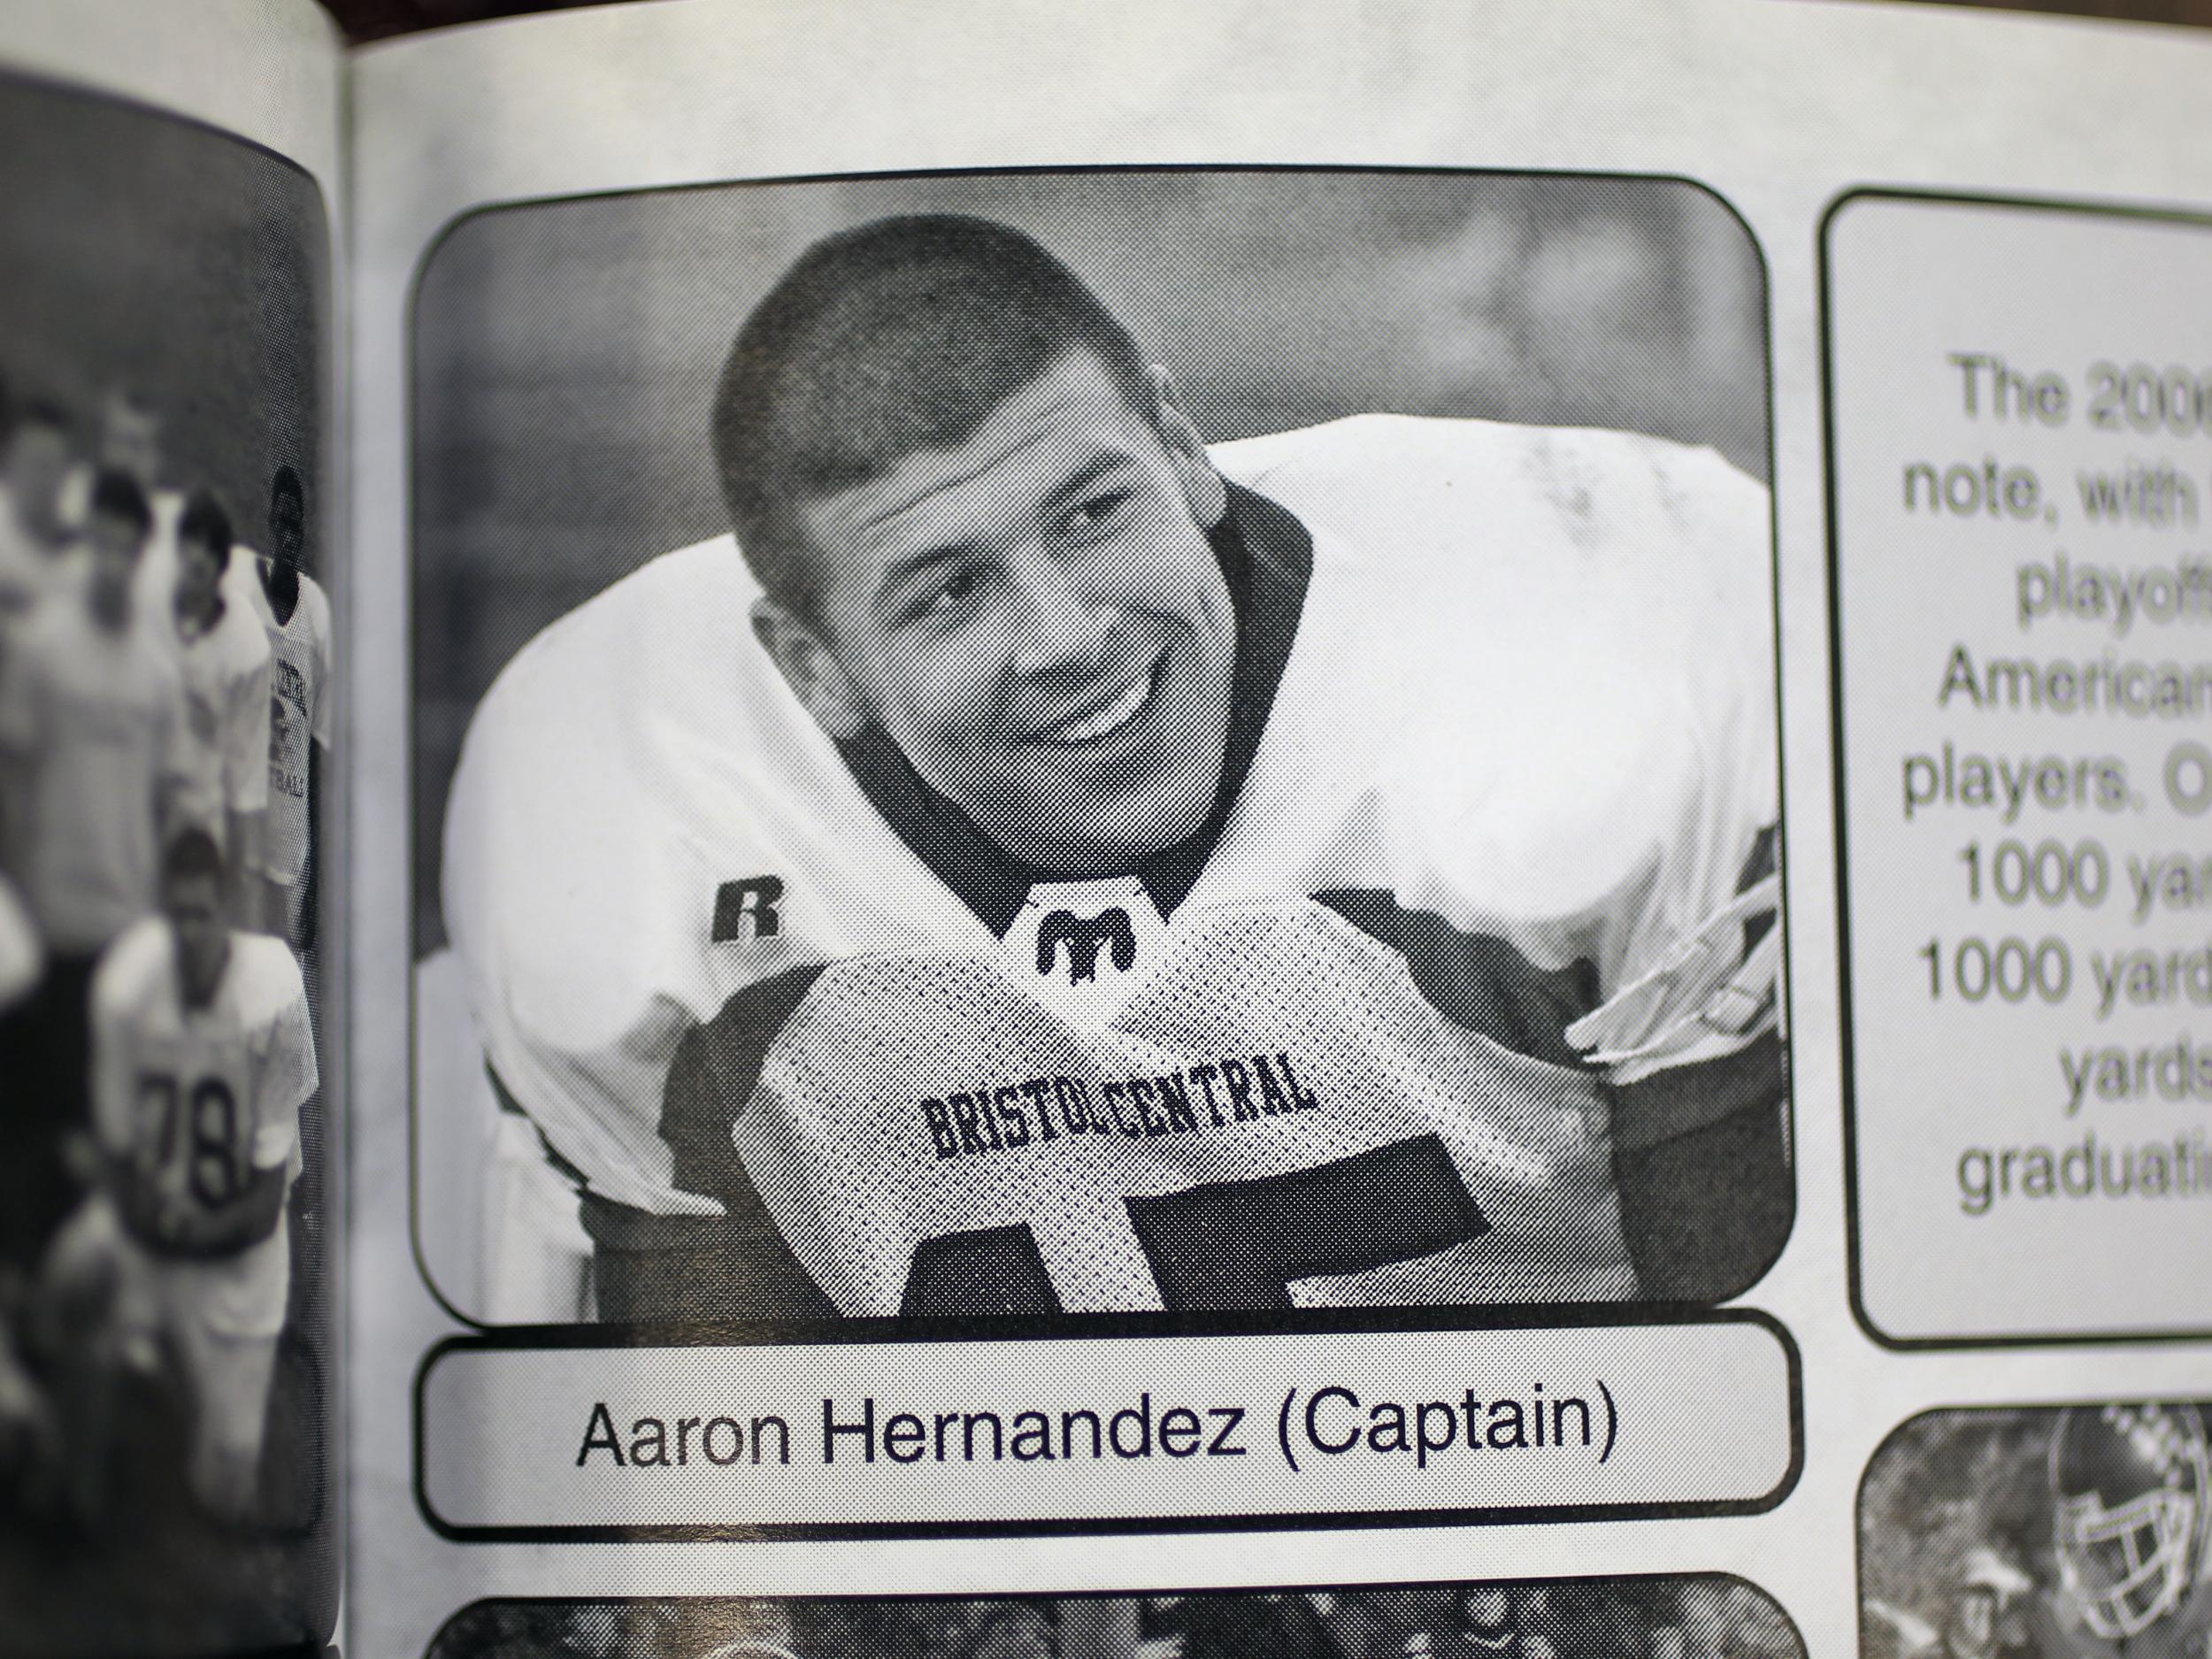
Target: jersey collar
{"type": "Point", "coordinates": [1267, 559]}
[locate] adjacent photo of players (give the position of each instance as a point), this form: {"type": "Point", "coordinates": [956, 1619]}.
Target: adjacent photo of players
{"type": "Point", "coordinates": [1684, 1616]}
{"type": "Point", "coordinates": [2046, 1533]}
{"type": "Point", "coordinates": [1112, 742]}
{"type": "Point", "coordinates": [167, 1429]}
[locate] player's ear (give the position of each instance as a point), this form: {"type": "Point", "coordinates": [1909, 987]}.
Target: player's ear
{"type": "Point", "coordinates": [814, 676]}
{"type": "Point", "coordinates": [1203, 490]}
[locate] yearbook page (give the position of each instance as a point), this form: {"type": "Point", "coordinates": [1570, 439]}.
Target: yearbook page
{"type": "Point", "coordinates": [171, 1011]}
{"type": "Point", "coordinates": [1243, 832]}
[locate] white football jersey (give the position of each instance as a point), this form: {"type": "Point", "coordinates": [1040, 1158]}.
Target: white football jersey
{"type": "Point", "coordinates": [225, 669]}
{"type": "Point", "coordinates": [1520, 753]}
{"type": "Point", "coordinates": [203, 1099]}
{"type": "Point", "coordinates": [95, 717]}
{"type": "Point", "coordinates": [299, 706]}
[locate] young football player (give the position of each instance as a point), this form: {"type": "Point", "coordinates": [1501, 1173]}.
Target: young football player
{"type": "Point", "coordinates": [223, 657]}
{"type": "Point", "coordinates": [92, 763]}
{"type": "Point", "coordinates": [204, 1056]}
{"type": "Point", "coordinates": [1057, 867]}
{"type": "Point", "coordinates": [295, 613]}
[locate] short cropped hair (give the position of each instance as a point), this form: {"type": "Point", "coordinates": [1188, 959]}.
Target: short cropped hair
{"type": "Point", "coordinates": [897, 336]}
{"type": "Point", "coordinates": [115, 493]}
{"type": "Point", "coordinates": [204, 521]}
{"type": "Point", "coordinates": [191, 854]}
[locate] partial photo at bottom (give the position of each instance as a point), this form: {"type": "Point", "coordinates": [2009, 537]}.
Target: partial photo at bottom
{"type": "Point", "coordinates": [2068, 1532]}
{"type": "Point", "coordinates": [1703, 1615]}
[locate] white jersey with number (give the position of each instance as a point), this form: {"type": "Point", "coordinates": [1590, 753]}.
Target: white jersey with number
{"type": "Point", "coordinates": [1525, 736]}
{"type": "Point", "coordinates": [299, 707]}
{"type": "Point", "coordinates": [225, 671]}
{"type": "Point", "coordinates": [201, 1099]}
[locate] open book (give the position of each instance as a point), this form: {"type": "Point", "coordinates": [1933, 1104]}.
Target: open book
{"type": "Point", "coordinates": [1129, 834]}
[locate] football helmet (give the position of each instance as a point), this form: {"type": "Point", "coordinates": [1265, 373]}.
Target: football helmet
{"type": "Point", "coordinates": [2129, 1485]}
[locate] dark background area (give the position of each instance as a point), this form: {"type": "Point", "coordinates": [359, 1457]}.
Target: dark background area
{"type": "Point", "coordinates": [372, 19]}
{"type": "Point", "coordinates": [150, 253]}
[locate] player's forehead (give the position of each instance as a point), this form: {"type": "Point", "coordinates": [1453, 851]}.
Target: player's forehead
{"type": "Point", "coordinates": [1069, 420]}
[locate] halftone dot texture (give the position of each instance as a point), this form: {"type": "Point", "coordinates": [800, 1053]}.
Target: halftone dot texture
{"type": "Point", "coordinates": [1699, 1616]}
{"type": "Point", "coordinates": [566, 354]}
{"type": "Point", "coordinates": [840, 1143]}
{"type": "Point", "coordinates": [1954, 1496]}
{"type": "Point", "coordinates": [142, 253]}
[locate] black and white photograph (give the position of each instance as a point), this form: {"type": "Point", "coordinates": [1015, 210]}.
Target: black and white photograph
{"type": "Point", "coordinates": [1681, 1617]}
{"type": "Point", "coordinates": [2074, 1532]}
{"type": "Point", "coordinates": [1020, 745]}
{"type": "Point", "coordinates": [168, 1205]}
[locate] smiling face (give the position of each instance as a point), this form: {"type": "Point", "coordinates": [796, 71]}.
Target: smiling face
{"type": "Point", "coordinates": [1035, 617]}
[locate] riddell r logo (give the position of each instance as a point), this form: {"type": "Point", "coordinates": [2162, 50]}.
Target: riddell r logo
{"type": "Point", "coordinates": [752, 900]}
{"type": "Point", "coordinates": [1084, 939]}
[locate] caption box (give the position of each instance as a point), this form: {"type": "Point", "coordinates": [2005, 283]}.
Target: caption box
{"type": "Point", "coordinates": [1342, 1426]}
{"type": "Point", "coordinates": [2020, 438]}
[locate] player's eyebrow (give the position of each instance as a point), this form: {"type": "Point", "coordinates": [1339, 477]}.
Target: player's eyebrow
{"type": "Point", "coordinates": [900, 571]}
{"type": "Point", "coordinates": [1104, 465]}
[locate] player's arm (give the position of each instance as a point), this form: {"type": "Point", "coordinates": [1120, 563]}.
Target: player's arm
{"type": "Point", "coordinates": [1692, 951]}
{"type": "Point", "coordinates": [320, 724]}
{"type": "Point", "coordinates": [716, 1067]}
